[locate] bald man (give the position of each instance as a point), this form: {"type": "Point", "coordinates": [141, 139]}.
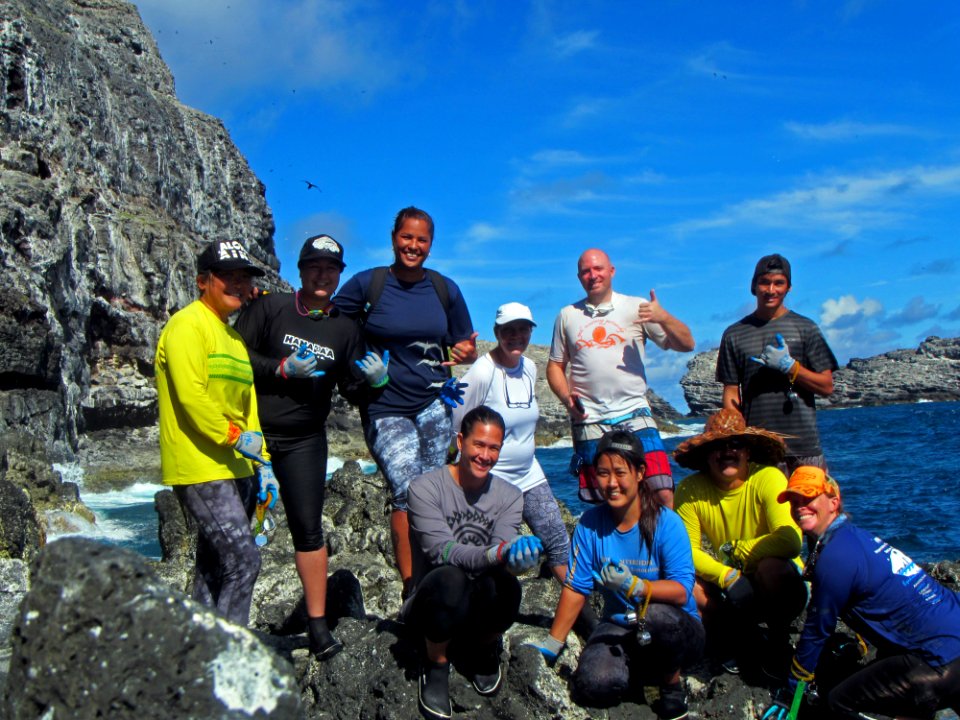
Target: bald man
{"type": "Point", "coordinates": [601, 339]}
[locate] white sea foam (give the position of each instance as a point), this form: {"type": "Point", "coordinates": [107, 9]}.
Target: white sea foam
{"type": "Point", "coordinates": [334, 463]}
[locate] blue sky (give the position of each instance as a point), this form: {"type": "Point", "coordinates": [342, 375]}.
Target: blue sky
{"type": "Point", "coordinates": [685, 139]}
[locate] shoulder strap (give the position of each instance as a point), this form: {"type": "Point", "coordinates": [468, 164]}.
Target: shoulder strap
{"type": "Point", "coordinates": [440, 286]}
{"type": "Point", "coordinates": [374, 290]}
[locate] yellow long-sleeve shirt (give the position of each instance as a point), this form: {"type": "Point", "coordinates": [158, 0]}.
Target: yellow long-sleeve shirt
{"type": "Point", "coordinates": [750, 516]}
{"type": "Point", "coordinates": [204, 383]}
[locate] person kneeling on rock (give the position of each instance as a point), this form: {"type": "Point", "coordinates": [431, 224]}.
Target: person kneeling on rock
{"type": "Point", "coordinates": [467, 551]}
{"type": "Point", "coordinates": [637, 552]}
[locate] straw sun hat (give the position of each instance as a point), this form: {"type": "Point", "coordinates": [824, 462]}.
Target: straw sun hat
{"type": "Point", "coordinates": [766, 447]}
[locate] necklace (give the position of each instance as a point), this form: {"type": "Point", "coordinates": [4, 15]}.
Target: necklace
{"type": "Point", "coordinates": [304, 311]}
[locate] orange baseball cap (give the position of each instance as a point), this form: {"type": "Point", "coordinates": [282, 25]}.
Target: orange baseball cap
{"type": "Point", "coordinates": [809, 481]}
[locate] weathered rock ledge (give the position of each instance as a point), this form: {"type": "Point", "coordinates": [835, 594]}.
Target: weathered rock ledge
{"type": "Point", "coordinates": [931, 372]}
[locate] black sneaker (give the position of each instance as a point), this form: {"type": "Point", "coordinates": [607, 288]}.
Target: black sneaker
{"type": "Point", "coordinates": [434, 692]}
{"type": "Point", "coordinates": [672, 703]}
{"type": "Point", "coordinates": [486, 674]}
{"type": "Point", "coordinates": [731, 666]}
{"type": "Point", "coordinates": [323, 645]}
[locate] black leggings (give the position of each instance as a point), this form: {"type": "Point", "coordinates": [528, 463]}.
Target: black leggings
{"type": "Point", "coordinates": [612, 656]}
{"type": "Point", "coordinates": [300, 464]}
{"type": "Point", "coordinates": [450, 604]}
{"type": "Point", "coordinates": [899, 685]}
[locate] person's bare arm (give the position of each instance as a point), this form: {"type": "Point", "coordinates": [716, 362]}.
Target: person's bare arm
{"type": "Point", "coordinates": [557, 380]}
{"type": "Point", "coordinates": [820, 383]}
{"type": "Point", "coordinates": [679, 337]}
{"type": "Point", "coordinates": [568, 609]}
{"type": "Point", "coordinates": [731, 397]}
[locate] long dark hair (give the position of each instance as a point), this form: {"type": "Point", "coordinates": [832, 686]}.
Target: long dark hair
{"type": "Point", "coordinates": [626, 446]}
{"type": "Point", "coordinates": [415, 213]}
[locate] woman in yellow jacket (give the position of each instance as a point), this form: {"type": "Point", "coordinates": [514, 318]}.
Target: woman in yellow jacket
{"type": "Point", "coordinates": [211, 446]}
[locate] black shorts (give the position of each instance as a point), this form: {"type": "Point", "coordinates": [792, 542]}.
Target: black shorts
{"type": "Point", "coordinates": [300, 465]}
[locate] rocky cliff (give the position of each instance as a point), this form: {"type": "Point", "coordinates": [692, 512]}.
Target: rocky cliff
{"type": "Point", "coordinates": [931, 372]}
{"type": "Point", "coordinates": [108, 188]}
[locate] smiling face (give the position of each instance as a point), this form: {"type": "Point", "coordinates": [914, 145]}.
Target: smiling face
{"type": "Point", "coordinates": [479, 452]}
{"type": "Point", "coordinates": [596, 275]}
{"type": "Point", "coordinates": [225, 291]}
{"type": "Point", "coordinates": [728, 462]}
{"type": "Point", "coordinates": [318, 282]}
{"type": "Point", "coordinates": [772, 289]}
{"type": "Point", "coordinates": [411, 246]}
{"type": "Point", "coordinates": [814, 515]}
{"type": "Point", "coordinates": [619, 481]}
{"type": "Point", "coordinates": [513, 338]}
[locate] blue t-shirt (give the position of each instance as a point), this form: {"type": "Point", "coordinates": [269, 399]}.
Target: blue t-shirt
{"type": "Point", "coordinates": [596, 540]}
{"type": "Point", "coordinates": [881, 594]}
{"type": "Point", "coordinates": [409, 321]}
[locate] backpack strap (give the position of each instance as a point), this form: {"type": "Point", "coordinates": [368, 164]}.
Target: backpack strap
{"type": "Point", "coordinates": [440, 286]}
{"type": "Point", "coordinates": [374, 290]}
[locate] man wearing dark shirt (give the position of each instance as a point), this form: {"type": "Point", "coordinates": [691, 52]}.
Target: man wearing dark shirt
{"type": "Point", "coordinates": [773, 363]}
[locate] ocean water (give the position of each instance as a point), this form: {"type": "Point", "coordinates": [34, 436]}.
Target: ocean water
{"type": "Point", "coordinates": [895, 466]}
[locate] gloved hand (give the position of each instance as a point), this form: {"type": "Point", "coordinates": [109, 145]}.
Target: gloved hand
{"type": "Point", "coordinates": [725, 554]}
{"type": "Point", "coordinates": [269, 488]}
{"type": "Point", "coordinates": [250, 445]}
{"type": "Point", "coordinates": [616, 577]}
{"type": "Point", "coordinates": [776, 357]}
{"type": "Point", "coordinates": [374, 369]}
{"type": "Point", "coordinates": [786, 702]}
{"type": "Point", "coordinates": [301, 363]}
{"type": "Point", "coordinates": [522, 553]}
{"type": "Point", "coordinates": [739, 592]}
{"type": "Point", "coordinates": [550, 649]}
{"type": "Point", "coordinates": [452, 392]}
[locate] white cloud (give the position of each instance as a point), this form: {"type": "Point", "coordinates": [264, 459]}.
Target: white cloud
{"type": "Point", "coordinates": [574, 42]}
{"type": "Point", "coordinates": [843, 204]}
{"type": "Point", "coordinates": [848, 130]}
{"type": "Point", "coordinates": [238, 47]}
{"type": "Point", "coordinates": [839, 312]}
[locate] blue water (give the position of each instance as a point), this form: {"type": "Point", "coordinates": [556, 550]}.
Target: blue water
{"type": "Point", "coordinates": [891, 463]}
{"type": "Point", "coordinates": [895, 466]}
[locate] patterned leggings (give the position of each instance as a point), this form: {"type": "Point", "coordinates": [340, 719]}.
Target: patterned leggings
{"type": "Point", "coordinates": [406, 447]}
{"type": "Point", "coordinates": [228, 561]}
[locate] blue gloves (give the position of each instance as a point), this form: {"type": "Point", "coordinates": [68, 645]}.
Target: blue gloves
{"type": "Point", "coordinates": [269, 489]}
{"type": "Point", "coordinates": [739, 593]}
{"type": "Point", "coordinates": [451, 392]}
{"type": "Point", "coordinates": [523, 553]}
{"type": "Point", "coordinates": [550, 649]}
{"type": "Point", "coordinates": [616, 577]}
{"type": "Point", "coordinates": [250, 445]}
{"type": "Point", "coordinates": [786, 702]}
{"type": "Point", "coordinates": [374, 369]}
{"type": "Point", "coordinates": [776, 357]}
{"type": "Point", "coordinates": [302, 363]}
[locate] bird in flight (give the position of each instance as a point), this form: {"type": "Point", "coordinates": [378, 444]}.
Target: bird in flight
{"type": "Point", "coordinates": [311, 186]}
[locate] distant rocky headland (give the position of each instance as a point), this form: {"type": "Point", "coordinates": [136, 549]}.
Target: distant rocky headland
{"type": "Point", "coordinates": [931, 372]}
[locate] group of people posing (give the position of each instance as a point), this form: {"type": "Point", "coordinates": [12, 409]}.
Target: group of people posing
{"type": "Point", "coordinates": [242, 416]}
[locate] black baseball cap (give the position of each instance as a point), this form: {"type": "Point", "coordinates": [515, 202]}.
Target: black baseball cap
{"type": "Point", "coordinates": [223, 255]}
{"type": "Point", "coordinates": [776, 264]}
{"type": "Point", "coordinates": [321, 246]}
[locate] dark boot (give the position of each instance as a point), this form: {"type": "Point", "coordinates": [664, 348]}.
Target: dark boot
{"type": "Point", "coordinates": [486, 669]}
{"type": "Point", "coordinates": [323, 645]}
{"type": "Point", "coordinates": [435, 690]}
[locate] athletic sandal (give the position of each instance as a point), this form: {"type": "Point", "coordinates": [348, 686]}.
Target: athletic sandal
{"type": "Point", "coordinates": [323, 645]}
{"type": "Point", "coordinates": [434, 693]}
{"type": "Point", "coordinates": [486, 674]}
{"type": "Point", "coordinates": [672, 703]}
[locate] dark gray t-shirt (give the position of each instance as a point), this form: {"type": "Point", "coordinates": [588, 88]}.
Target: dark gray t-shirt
{"type": "Point", "coordinates": [452, 527]}
{"type": "Point", "coordinates": [764, 392]}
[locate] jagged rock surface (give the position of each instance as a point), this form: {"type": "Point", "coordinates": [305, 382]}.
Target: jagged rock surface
{"type": "Point", "coordinates": [108, 188]}
{"type": "Point", "coordinates": [99, 635]}
{"type": "Point", "coordinates": [931, 372]}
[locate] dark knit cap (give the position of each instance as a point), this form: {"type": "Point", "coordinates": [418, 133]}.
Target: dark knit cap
{"type": "Point", "coordinates": [775, 263]}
